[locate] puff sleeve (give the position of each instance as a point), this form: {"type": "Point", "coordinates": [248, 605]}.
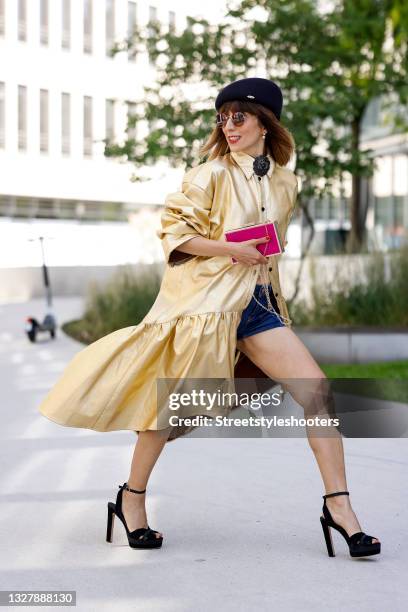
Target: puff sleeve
{"type": "Point", "coordinates": [186, 215]}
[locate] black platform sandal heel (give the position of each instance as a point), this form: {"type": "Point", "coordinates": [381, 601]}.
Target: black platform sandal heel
{"type": "Point", "coordinates": [360, 544]}
{"type": "Point", "coordinates": [143, 537]}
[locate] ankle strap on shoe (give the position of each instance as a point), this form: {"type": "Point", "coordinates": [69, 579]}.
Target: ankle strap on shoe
{"type": "Point", "coordinates": [333, 494]}
{"type": "Point", "coordinates": [125, 486]}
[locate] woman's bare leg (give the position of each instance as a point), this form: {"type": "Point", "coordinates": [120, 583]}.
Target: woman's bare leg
{"type": "Point", "coordinates": [147, 450]}
{"type": "Point", "coordinates": [282, 355]}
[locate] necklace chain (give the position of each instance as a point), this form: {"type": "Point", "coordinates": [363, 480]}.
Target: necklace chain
{"type": "Point", "coordinates": [263, 271]}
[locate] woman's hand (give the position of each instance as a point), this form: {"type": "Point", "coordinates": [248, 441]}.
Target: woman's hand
{"type": "Point", "coordinates": [246, 252]}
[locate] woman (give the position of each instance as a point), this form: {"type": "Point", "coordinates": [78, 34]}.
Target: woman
{"type": "Point", "coordinates": [210, 315]}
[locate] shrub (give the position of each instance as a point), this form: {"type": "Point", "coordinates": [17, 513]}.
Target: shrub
{"type": "Point", "coordinates": [124, 301]}
{"type": "Point", "coordinates": [376, 301]}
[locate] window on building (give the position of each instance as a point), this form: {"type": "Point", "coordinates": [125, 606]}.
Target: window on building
{"type": "Point", "coordinates": [347, 208]}
{"type": "Point", "coordinates": [44, 22]}
{"type": "Point", "coordinates": [152, 13]}
{"type": "Point", "coordinates": [2, 116]}
{"type": "Point", "coordinates": [25, 207]}
{"type": "Point", "coordinates": [131, 114]}
{"type": "Point", "coordinates": [7, 205]}
{"type": "Point", "coordinates": [371, 116]}
{"type": "Point", "coordinates": [383, 211]}
{"type": "Point", "coordinates": [87, 26]}
{"type": "Point", "coordinates": [2, 18]}
{"type": "Point", "coordinates": [22, 117]}
{"type": "Point", "coordinates": [172, 21]}
{"type": "Point", "coordinates": [110, 120]}
{"type": "Point", "coordinates": [319, 211]}
{"type": "Point", "coordinates": [66, 209]}
{"type": "Point", "coordinates": [66, 24]}
{"type": "Point", "coordinates": [22, 19]}
{"type": "Point", "coordinates": [399, 217]}
{"type": "Point", "coordinates": [110, 26]}
{"type": "Point", "coordinates": [400, 187]}
{"type": "Point", "coordinates": [152, 19]}
{"type": "Point", "coordinates": [132, 24]}
{"type": "Point", "coordinates": [382, 187]}
{"type": "Point", "coordinates": [400, 199]}
{"type": "Point", "coordinates": [334, 210]}
{"type": "Point", "coordinates": [46, 208]}
{"type": "Point", "coordinates": [44, 121]}
{"type": "Point", "coordinates": [87, 126]}
{"type": "Point", "coordinates": [65, 123]}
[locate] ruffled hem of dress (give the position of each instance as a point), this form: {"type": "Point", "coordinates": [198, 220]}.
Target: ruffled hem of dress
{"type": "Point", "coordinates": [110, 385]}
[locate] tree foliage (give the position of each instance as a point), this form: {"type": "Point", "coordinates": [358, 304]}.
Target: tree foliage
{"type": "Point", "coordinates": [329, 65]}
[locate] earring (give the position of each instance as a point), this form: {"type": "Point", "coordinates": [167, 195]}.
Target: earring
{"type": "Point", "coordinates": [264, 134]}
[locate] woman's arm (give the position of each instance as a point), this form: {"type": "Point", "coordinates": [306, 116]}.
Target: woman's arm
{"type": "Point", "coordinates": [244, 252]}
{"type": "Point", "coordinates": [185, 224]}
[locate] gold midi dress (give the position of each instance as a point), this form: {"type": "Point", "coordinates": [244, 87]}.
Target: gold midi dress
{"type": "Point", "coordinates": [190, 330]}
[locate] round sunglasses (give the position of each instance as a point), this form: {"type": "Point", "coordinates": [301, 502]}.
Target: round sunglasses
{"type": "Point", "coordinates": [238, 119]}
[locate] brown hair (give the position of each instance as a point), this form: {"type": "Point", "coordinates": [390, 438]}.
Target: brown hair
{"type": "Point", "coordinates": [279, 142]}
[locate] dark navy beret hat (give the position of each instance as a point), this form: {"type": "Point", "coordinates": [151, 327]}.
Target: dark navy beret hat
{"type": "Point", "coordinates": [260, 91]}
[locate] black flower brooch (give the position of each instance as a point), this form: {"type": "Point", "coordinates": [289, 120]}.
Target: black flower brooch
{"type": "Point", "coordinates": [261, 165]}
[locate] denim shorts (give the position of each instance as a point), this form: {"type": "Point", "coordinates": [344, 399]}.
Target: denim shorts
{"type": "Point", "coordinates": [256, 319]}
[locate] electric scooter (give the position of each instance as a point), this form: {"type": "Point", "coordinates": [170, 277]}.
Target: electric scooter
{"type": "Point", "coordinates": [49, 324]}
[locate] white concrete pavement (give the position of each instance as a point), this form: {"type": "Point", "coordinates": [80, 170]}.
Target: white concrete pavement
{"type": "Point", "coordinates": [240, 516]}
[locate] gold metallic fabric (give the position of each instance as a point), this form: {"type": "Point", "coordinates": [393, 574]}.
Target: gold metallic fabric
{"type": "Point", "coordinates": [190, 330]}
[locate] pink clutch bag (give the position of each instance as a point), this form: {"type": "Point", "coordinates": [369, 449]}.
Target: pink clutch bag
{"type": "Point", "coordinates": [260, 230]}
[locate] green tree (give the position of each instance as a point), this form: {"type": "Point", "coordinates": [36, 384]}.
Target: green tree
{"type": "Point", "coordinates": [329, 64]}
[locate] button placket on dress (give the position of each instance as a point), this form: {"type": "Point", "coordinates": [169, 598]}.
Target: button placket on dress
{"type": "Point", "coordinates": [270, 267]}
{"type": "Point", "coordinates": [255, 274]}
{"type": "Point", "coordinates": [265, 203]}
{"type": "Point", "coordinates": [265, 213]}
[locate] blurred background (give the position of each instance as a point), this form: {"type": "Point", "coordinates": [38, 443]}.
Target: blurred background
{"type": "Point", "coordinates": [103, 106]}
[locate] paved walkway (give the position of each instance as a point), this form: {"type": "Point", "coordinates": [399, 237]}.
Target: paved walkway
{"type": "Point", "coordinates": [240, 516]}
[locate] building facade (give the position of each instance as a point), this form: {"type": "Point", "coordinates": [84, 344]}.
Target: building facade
{"type": "Point", "coordinates": [61, 95]}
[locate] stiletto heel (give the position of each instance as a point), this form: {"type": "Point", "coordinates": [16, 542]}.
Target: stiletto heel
{"type": "Point", "coordinates": [144, 537]}
{"type": "Point", "coordinates": [360, 544]}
